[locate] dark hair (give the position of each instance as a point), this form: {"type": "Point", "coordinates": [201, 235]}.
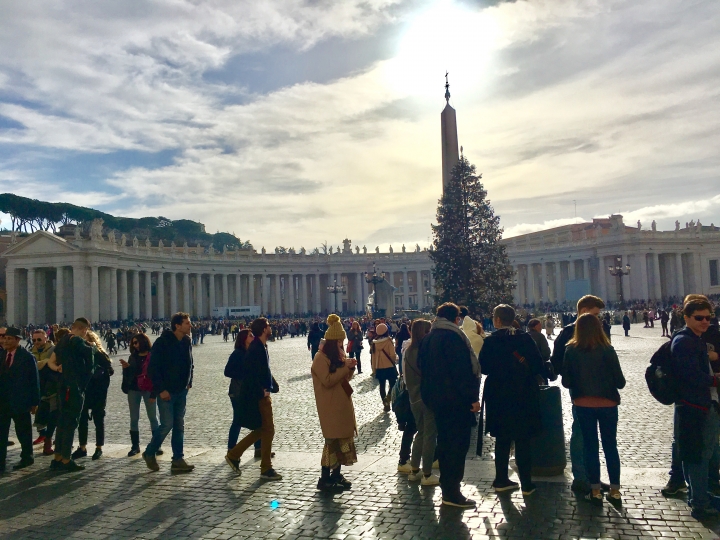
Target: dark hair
{"type": "Point", "coordinates": [464, 311]}
{"type": "Point", "coordinates": [589, 333]}
{"type": "Point", "coordinates": [81, 322]}
{"type": "Point", "coordinates": [315, 326]}
{"type": "Point", "coordinates": [696, 304]}
{"type": "Point", "coordinates": [533, 322]}
{"type": "Point", "coordinates": [404, 333]}
{"type": "Point", "coordinates": [589, 302]}
{"type": "Point", "coordinates": [418, 330]}
{"type": "Point", "coordinates": [333, 353]}
{"type": "Point", "coordinates": [178, 319]}
{"type": "Point", "coordinates": [143, 342]}
{"type": "Point", "coordinates": [448, 311]}
{"type": "Point", "coordinates": [258, 326]}
{"type": "Point", "coordinates": [242, 338]}
{"type": "Point", "coordinates": [505, 313]}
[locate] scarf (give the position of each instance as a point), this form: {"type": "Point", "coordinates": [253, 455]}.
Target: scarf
{"type": "Point", "coordinates": [444, 324]}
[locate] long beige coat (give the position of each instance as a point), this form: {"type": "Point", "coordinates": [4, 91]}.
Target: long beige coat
{"type": "Point", "coordinates": [380, 359]}
{"type": "Point", "coordinates": [334, 406]}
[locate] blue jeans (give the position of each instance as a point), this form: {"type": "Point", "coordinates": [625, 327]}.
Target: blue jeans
{"type": "Point", "coordinates": [234, 433]}
{"type": "Point", "coordinates": [134, 399]}
{"type": "Point", "coordinates": [576, 450]}
{"type": "Point", "coordinates": [696, 474]}
{"type": "Point", "coordinates": [589, 419]}
{"type": "Point", "coordinates": [676, 469]}
{"type": "Point", "coordinates": [172, 417]}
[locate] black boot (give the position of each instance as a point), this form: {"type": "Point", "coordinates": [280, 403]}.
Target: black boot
{"type": "Point", "coordinates": [339, 480]}
{"type": "Point", "coordinates": [325, 483]}
{"type": "Point", "coordinates": [135, 439]}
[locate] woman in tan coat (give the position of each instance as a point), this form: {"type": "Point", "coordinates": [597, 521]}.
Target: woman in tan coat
{"type": "Point", "coordinates": [383, 360]}
{"type": "Point", "coordinates": [331, 373]}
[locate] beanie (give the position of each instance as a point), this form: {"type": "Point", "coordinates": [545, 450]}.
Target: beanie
{"type": "Point", "coordinates": [335, 328]}
{"type": "Point", "coordinates": [381, 329]}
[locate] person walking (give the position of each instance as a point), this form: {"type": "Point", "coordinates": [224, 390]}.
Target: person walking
{"type": "Point", "coordinates": [313, 339]}
{"type": "Point", "coordinates": [549, 326]}
{"type": "Point", "coordinates": [136, 383]}
{"type": "Point", "coordinates": [383, 360]}
{"type": "Point", "coordinates": [171, 371]}
{"type": "Point", "coordinates": [331, 374]}
{"type": "Point", "coordinates": [512, 363]}
{"type": "Point", "coordinates": [19, 397]}
{"type": "Point", "coordinates": [95, 400]}
{"type": "Point", "coordinates": [256, 405]}
{"type": "Point", "coordinates": [234, 370]}
{"type": "Point", "coordinates": [592, 373]}
{"type": "Point", "coordinates": [355, 343]}
{"type": "Point", "coordinates": [450, 388]}
{"type": "Point", "coordinates": [423, 446]}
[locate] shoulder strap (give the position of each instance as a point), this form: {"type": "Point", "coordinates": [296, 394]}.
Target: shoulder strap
{"type": "Point", "coordinates": [388, 357]}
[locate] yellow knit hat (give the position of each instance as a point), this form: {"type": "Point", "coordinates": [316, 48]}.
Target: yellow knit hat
{"type": "Point", "coordinates": [335, 328]}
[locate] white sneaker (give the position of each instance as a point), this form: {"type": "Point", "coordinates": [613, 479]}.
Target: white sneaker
{"type": "Point", "coordinates": [436, 464]}
{"type": "Point", "coordinates": [405, 469]}
{"type": "Point", "coordinates": [431, 480]}
{"type": "Point", "coordinates": [414, 477]}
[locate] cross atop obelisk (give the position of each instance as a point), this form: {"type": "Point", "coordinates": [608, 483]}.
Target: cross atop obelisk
{"type": "Point", "coordinates": [448, 131]}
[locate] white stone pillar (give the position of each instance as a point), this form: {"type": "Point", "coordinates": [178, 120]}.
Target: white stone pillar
{"type": "Point", "coordinates": [123, 294]}
{"type": "Point", "coordinates": [278, 295]}
{"type": "Point", "coordinates": [160, 295]}
{"type": "Point", "coordinates": [586, 269]}
{"type": "Point", "coordinates": [173, 294]}
{"type": "Point", "coordinates": [290, 295]}
{"type": "Point", "coordinates": [136, 294]}
{"type": "Point", "coordinates": [31, 296]}
{"type": "Point", "coordinates": [316, 292]}
{"type": "Point", "coordinates": [198, 295]}
{"type": "Point", "coordinates": [406, 291]}
{"type": "Point", "coordinates": [239, 290]}
{"type": "Point", "coordinates": [358, 293]}
{"type": "Point", "coordinates": [266, 305]}
{"type": "Point", "coordinates": [571, 270]}
{"type": "Point", "coordinates": [113, 294]}
{"type": "Point", "coordinates": [59, 294]}
{"type": "Point", "coordinates": [628, 292]}
{"type": "Point", "coordinates": [10, 307]}
{"type": "Point", "coordinates": [211, 290]}
{"type": "Point", "coordinates": [251, 289]}
{"type": "Point", "coordinates": [94, 293]}
{"type": "Point", "coordinates": [558, 282]}
{"type": "Point", "coordinates": [679, 275]}
{"type": "Point", "coordinates": [544, 282]}
{"type": "Point", "coordinates": [698, 282]}
{"type": "Point", "coordinates": [79, 286]}
{"type": "Point", "coordinates": [148, 295]}
{"type": "Point", "coordinates": [225, 292]}
{"type": "Point", "coordinates": [657, 287]}
{"type": "Point", "coordinates": [186, 293]}
{"type": "Point", "coordinates": [643, 276]}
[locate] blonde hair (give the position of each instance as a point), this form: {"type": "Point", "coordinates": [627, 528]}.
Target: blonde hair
{"type": "Point", "coordinates": [93, 338]}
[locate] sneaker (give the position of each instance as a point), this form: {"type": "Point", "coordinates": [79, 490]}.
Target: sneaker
{"type": "Point", "coordinates": [159, 452]}
{"type": "Point", "coordinates": [596, 500]}
{"type": "Point", "coordinates": [674, 488]}
{"type": "Point", "coordinates": [70, 466]}
{"type": "Point", "coordinates": [270, 474]}
{"type": "Point", "coordinates": [614, 498]}
{"type": "Point", "coordinates": [460, 502]}
{"type": "Point", "coordinates": [39, 440]}
{"type": "Point", "coordinates": [234, 464]}
{"type": "Point", "coordinates": [151, 462]}
{"type": "Point", "coordinates": [55, 465]}
{"type": "Point", "coordinates": [529, 489]}
{"type": "Point", "coordinates": [415, 476]}
{"type": "Point", "coordinates": [405, 468]}
{"type": "Point", "coordinates": [79, 453]}
{"type": "Point", "coordinates": [97, 455]}
{"type": "Point", "coordinates": [504, 485]}
{"type": "Point", "coordinates": [431, 480]}
{"type": "Point", "coordinates": [181, 466]}
{"type": "Point", "coordinates": [580, 486]}
{"type": "Point", "coordinates": [23, 464]}
{"type": "Point", "coordinates": [134, 451]}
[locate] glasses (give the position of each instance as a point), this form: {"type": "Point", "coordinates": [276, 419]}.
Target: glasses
{"type": "Point", "coordinates": [699, 318]}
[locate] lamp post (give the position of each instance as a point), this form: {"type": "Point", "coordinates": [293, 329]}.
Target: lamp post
{"type": "Point", "coordinates": [336, 289]}
{"type": "Point", "coordinates": [618, 271]}
{"type": "Point", "coordinates": [374, 278]}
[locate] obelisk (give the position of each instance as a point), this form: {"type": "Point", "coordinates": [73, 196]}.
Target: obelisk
{"type": "Point", "coordinates": [448, 129]}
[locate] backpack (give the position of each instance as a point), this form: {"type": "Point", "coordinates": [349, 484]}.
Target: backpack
{"type": "Point", "coordinates": [660, 378]}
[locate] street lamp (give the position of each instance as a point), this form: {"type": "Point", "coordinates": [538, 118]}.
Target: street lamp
{"type": "Point", "coordinates": [336, 289]}
{"type": "Point", "coordinates": [374, 278]}
{"type": "Point", "coordinates": [618, 271]}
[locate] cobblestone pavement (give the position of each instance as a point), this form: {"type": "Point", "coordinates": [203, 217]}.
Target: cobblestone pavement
{"type": "Point", "coordinates": [117, 497]}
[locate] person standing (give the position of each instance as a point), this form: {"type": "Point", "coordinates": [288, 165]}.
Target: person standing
{"type": "Point", "coordinates": [256, 405]}
{"type": "Point", "coordinates": [591, 370]}
{"type": "Point", "coordinates": [171, 371]}
{"type": "Point", "coordinates": [664, 318]}
{"type": "Point", "coordinates": [450, 388]}
{"type": "Point", "coordinates": [234, 370]}
{"type": "Point", "coordinates": [313, 339]}
{"type": "Point", "coordinates": [383, 360]}
{"type": "Point", "coordinates": [626, 324]}
{"type": "Point", "coordinates": [355, 343]}
{"type": "Point", "coordinates": [331, 375]}
{"type": "Point", "coordinates": [42, 350]}
{"type": "Point", "coordinates": [19, 397]}
{"type": "Point", "coordinates": [512, 363]}
{"type": "Point", "coordinates": [549, 325]}
{"type": "Point", "coordinates": [535, 332]}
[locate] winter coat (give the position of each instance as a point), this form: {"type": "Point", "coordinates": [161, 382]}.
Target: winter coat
{"type": "Point", "coordinates": [691, 368]}
{"type": "Point", "coordinates": [97, 388]}
{"type": "Point", "coordinates": [233, 370]}
{"type": "Point", "coordinates": [542, 344]}
{"type": "Point", "coordinates": [255, 378]}
{"type": "Point", "coordinates": [626, 322]}
{"type": "Point", "coordinates": [593, 373]}
{"type": "Point", "coordinates": [334, 406]}
{"type": "Point", "coordinates": [511, 393]}
{"type": "Point", "coordinates": [356, 338]}
{"type": "Point", "coordinates": [412, 374]}
{"type": "Point", "coordinates": [171, 363]}
{"type": "Point", "coordinates": [19, 383]}
{"type": "Point", "coordinates": [131, 373]}
{"type": "Point", "coordinates": [383, 354]}
{"type": "Point", "coordinates": [77, 358]}
{"type": "Point", "coordinates": [469, 328]}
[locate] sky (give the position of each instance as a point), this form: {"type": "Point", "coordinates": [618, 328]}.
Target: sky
{"type": "Point", "coordinates": [293, 123]}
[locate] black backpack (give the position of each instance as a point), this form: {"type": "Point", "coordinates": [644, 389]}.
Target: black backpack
{"type": "Point", "coordinates": [660, 378]}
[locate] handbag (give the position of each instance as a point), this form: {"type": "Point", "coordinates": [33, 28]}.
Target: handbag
{"type": "Point", "coordinates": [349, 347]}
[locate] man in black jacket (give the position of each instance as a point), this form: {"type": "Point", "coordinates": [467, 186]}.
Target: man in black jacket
{"type": "Point", "coordinates": [19, 396]}
{"type": "Point", "coordinates": [450, 387]}
{"type": "Point", "coordinates": [171, 372]}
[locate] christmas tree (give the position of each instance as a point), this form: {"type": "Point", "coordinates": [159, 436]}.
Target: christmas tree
{"type": "Point", "coordinates": [471, 266]}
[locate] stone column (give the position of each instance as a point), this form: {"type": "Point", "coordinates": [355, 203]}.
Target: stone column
{"type": "Point", "coordinates": [558, 282]}
{"type": "Point", "coordinates": [657, 287]}
{"type": "Point", "coordinates": [160, 295]}
{"type": "Point", "coordinates": [238, 290]}
{"type": "Point", "coordinates": [225, 292]}
{"type": "Point", "coordinates": [198, 295]}
{"type": "Point", "coordinates": [135, 294]}
{"type": "Point", "coordinates": [123, 294]}
{"type": "Point", "coordinates": [211, 290]}
{"type": "Point", "coordinates": [10, 289]}
{"type": "Point", "coordinates": [113, 294]}
{"type": "Point", "coordinates": [406, 291]}
{"type": "Point", "coordinates": [628, 292]}
{"type": "Point", "coordinates": [186, 292]}
{"type": "Point", "coordinates": [586, 269]}
{"type": "Point", "coordinates": [173, 294]}
{"type": "Point", "coordinates": [278, 295]}
{"type": "Point", "coordinates": [679, 275]}
{"type": "Point", "coordinates": [358, 292]}
{"type": "Point", "coordinates": [31, 296]}
{"type": "Point", "coordinates": [79, 286]}
{"type": "Point", "coordinates": [303, 292]}
{"type": "Point", "coordinates": [316, 292]}
{"type": "Point", "coordinates": [544, 282]}
{"type": "Point", "coordinates": [643, 275]}
{"type": "Point", "coordinates": [698, 283]}
{"type": "Point", "coordinates": [290, 295]}
{"type": "Point", "coordinates": [571, 270]}
{"type": "Point", "coordinates": [148, 295]}
{"type": "Point", "coordinates": [59, 298]}
{"type": "Point", "coordinates": [94, 293]}
{"type": "Point", "coordinates": [266, 305]}
{"type": "Point", "coordinates": [251, 289]}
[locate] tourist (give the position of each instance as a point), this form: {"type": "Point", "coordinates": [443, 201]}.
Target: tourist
{"type": "Point", "coordinates": [74, 357]}
{"type": "Point", "coordinates": [664, 319]}
{"type": "Point", "coordinates": [549, 326]}
{"type": "Point", "coordinates": [171, 371]}
{"type": "Point", "coordinates": [331, 374]}
{"type": "Point", "coordinates": [472, 329]}
{"type": "Point", "coordinates": [591, 370]}
{"type": "Point", "coordinates": [255, 402]}
{"type": "Point", "coordinates": [535, 332]}
{"type": "Point", "coordinates": [42, 350]}
{"type": "Point", "coordinates": [19, 397]}
{"type": "Point", "coordinates": [314, 338]}
{"type": "Point", "coordinates": [136, 383]}
{"type": "Point", "coordinates": [512, 363]}
{"type": "Point", "coordinates": [383, 360]}
{"type": "Point", "coordinates": [234, 370]}
{"type": "Point", "coordinates": [423, 446]}
{"type": "Point", "coordinates": [450, 388]}
{"type": "Point", "coordinates": [587, 304]}
{"type": "Point", "coordinates": [355, 343]}
{"type": "Point", "coordinates": [696, 416]}
{"type": "Point", "coordinates": [402, 336]}
{"type": "Point", "coordinates": [626, 324]}
{"type": "Point", "coordinates": [48, 413]}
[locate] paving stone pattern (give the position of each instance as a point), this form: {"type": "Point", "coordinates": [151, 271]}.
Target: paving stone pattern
{"type": "Point", "coordinates": [116, 497]}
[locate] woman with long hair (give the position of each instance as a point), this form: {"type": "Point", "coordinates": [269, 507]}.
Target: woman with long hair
{"type": "Point", "coordinates": [137, 385]}
{"type": "Point", "coordinates": [331, 374]}
{"type": "Point", "coordinates": [355, 343]}
{"type": "Point", "coordinates": [234, 370]}
{"type": "Point", "coordinates": [591, 370]}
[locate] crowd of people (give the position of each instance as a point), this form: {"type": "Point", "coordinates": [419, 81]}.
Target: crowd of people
{"type": "Point", "coordinates": [63, 380]}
